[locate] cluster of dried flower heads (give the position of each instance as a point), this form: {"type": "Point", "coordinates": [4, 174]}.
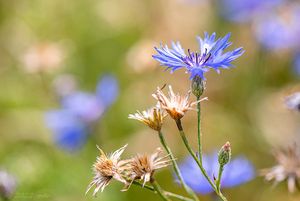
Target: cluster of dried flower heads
{"type": "Point", "coordinates": [110, 166]}
{"type": "Point", "coordinates": [175, 105]}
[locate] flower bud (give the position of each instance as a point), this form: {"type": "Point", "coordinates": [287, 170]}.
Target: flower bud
{"type": "Point", "coordinates": [224, 154]}
{"type": "Point", "coordinates": [198, 86]}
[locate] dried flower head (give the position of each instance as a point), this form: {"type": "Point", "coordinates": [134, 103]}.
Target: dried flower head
{"type": "Point", "coordinates": [176, 105]}
{"type": "Point", "coordinates": [152, 117]}
{"type": "Point", "coordinates": [143, 166]}
{"type": "Point", "coordinates": [106, 168]}
{"type": "Point", "coordinates": [288, 168]}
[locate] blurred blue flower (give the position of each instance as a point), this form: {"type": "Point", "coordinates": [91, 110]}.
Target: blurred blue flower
{"type": "Point", "coordinates": [279, 30]}
{"type": "Point", "coordinates": [237, 172]}
{"type": "Point", "coordinates": [197, 63]}
{"type": "Point", "coordinates": [245, 10]}
{"type": "Point", "coordinates": [84, 105]}
{"type": "Point", "coordinates": [69, 131]}
{"type": "Point", "coordinates": [79, 111]}
{"type": "Point", "coordinates": [107, 90]}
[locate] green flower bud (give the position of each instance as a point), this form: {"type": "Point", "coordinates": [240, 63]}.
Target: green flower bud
{"type": "Point", "coordinates": [198, 86]}
{"type": "Point", "coordinates": [224, 154]}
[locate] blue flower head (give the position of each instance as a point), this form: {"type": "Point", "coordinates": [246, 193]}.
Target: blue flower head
{"type": "Point", "coordinates": [211, 55]}
{"type": "Point", "coordinates": [236, 172]}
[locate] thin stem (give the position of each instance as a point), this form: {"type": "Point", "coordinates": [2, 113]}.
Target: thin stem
{"type": "Point", "coordinates": [179, 197]}
{"type": "Point", "coordinates": [143, 186]}
{"type": "Point", "coordinates": [175, 166]}
{"type": "Point", "coordinates": [199, 129]}
{"type": "Point", "coordinates": [218, 183]}
{"type": "Point", "coordinates": [159, 190]}
{"type": "Point", "coordinates": [167, 193]}
{"type": "Point", "coordinates": [187, 145]}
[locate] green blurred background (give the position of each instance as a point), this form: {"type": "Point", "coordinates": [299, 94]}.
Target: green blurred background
{"type": "Point", "coordinates": [94, 37]}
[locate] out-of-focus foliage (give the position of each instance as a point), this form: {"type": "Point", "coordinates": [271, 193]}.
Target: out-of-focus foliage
{"type": "Point", "coordinates": [42, 40]}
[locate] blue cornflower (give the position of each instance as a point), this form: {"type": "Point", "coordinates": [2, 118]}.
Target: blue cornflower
{"type": "Point", "coordinates": [211, 55]}
{"type": "Point", "coordinates": [245, 10]}
{"type": "Point", "coordinates": [79, 111]}
{"type": "Point", "coordinates": [236, 172]}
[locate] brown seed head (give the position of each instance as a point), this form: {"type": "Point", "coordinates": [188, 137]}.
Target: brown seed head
{"type": "Point", "coordinates": [142, 167]}
{"type": "Point", "coordinates": [106, 168]}
{"type": "Point", "coordinates": [176, 105]}
{"type": "Point", "coordinates": [152, 117]}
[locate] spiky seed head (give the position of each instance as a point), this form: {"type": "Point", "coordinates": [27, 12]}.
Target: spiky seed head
{"type": "Point", "coordinates": [152, 117]}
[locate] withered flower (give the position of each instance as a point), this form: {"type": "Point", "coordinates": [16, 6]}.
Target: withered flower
{"type": "Point", "coordinates": [152, 117]}
{"type": "Point", "coordinates": [143, 166]}
{"type": "Point", "coordinates": [106, 168]}
{"type": "Point", "coordinates": [176, 105]}
{"type": "Point", "coordinates": [288, 168]}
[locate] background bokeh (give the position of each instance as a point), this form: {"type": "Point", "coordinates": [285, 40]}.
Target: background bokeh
{"type": "Point", "coordinates": [87, 39]}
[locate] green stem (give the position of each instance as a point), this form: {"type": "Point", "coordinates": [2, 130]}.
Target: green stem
{"type": "Point", "coordinates": [218, 183]}
{"type": "Point", "coordinates": [167, 193]}
{"type": "Point", "coordinates": [187, 145]}
{"type": "Point", "coordinates": [179, 197]}
{"type": "Point", "coordinates": [199, 129]}
{"type": "Point", "coordinates": [143, 186]}
{"type": "Point", "coordinates": [175, 166]}
{"type": "Point", "coordinates": [159, 190]}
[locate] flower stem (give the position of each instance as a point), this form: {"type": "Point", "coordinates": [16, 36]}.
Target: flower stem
{"type": "Point", "coordinates": [187, 145]}
{"type": "Point", "coordinates": [199, 129]}
{"type": "Point", "coordinates": [167, 193]}
{"type": "Point", "coordinates": [179, 197]}
{"type": "Point", "coordinates": [175, 166]}
{"type": "Point", "coordinates": [159, 190]}
{"type": "Point", "coordinates": [218, 183]}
